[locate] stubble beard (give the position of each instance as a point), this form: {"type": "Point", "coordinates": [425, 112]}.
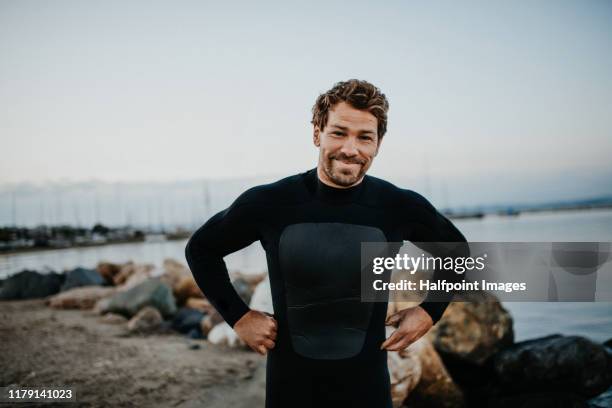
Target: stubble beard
{"type": "Point", "coordinates": [344, 178]}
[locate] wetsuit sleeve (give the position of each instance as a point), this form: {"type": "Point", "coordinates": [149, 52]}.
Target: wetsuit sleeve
{"type": "Point", "coordinates": [439, 237]}
{"type": "Point", "coordinates": [226, 232]}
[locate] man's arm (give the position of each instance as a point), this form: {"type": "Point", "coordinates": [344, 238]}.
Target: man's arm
{"type": "Point", "coordinates": [435, 234]}
{"type": "Point", "coordinates": [441, 238]}
{"type": "Point", "coordinates": [226, 232]}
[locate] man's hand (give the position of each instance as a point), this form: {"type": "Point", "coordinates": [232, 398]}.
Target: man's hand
{"type": "Point", "coordinates": [413, 323]}
{"type": "Point", "coordinates": [258, 330]}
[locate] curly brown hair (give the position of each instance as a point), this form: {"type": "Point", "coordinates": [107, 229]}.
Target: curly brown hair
{"type": "Point", "coordinates": [357, 93]}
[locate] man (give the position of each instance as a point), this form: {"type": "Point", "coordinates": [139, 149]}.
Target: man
{"type": "Point", "coordinates": [324, 346]}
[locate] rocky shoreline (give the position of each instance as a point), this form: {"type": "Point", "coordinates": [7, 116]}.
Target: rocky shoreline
{"type": "Point", "coordinates": [137, 335]}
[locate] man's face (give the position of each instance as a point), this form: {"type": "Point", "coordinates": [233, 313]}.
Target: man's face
{"type": "Point", "coordinates": [347, 145]}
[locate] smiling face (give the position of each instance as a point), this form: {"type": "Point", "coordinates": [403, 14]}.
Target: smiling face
{"type": "Point", "coordinates": [347, 145]}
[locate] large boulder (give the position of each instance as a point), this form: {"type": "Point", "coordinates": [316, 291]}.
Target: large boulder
{"type": "Point", "coordinates": [435, 387]}
{"type": "Point", "coordinates": [31, 284]}
{"type": "Point", "coordinates": [149, 293]}
{"type": "Point", "coordinates": [84, 297]}
{"type": "Point", "coordinates": [82, 277]}
{"type": "Point", "coordinates": [404, 373]}
{"type": "Point", "coordinates": [552, 363]}
{"type": "Point", "coordinates": [474, 327]}
{"type": "Point", "coordinates": [603, 400]}
{"type": "Point", "coordinates": [539, 400]}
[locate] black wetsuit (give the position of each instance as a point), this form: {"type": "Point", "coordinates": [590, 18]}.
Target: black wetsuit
{"type": "Point", "coordinates": [302, 225]}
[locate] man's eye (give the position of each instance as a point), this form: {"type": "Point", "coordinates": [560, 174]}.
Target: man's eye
{"type": "Point", "coordinates": [337, 133]}
{"type": "Point", "coordinates": [366, 138]}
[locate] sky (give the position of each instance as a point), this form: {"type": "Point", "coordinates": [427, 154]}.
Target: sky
{"type": "Point", "coordinates": [484, 96]}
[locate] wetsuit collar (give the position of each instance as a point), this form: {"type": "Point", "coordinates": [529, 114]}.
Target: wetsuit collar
{"type": "Point", "coordinates": [333, 194]}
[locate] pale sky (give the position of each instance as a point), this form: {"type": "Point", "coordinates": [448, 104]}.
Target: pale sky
{"type": "Point", "coordinates": [162, 91]}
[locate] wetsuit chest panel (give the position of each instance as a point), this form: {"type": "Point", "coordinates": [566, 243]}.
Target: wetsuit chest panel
{"type": "Point", "coordinates": [321, 266]}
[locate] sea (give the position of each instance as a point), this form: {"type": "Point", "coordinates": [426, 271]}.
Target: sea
{"type": "Point", "coordinates": [531, 319]}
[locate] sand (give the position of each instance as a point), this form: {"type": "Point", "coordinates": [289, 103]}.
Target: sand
{"type": "Point", "coordinates": [107, 366]}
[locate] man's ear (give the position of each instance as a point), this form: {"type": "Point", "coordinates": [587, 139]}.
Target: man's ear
{"type": "Point", "coordinates": [316, 136]}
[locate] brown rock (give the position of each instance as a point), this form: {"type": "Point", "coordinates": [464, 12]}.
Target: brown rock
{"type": "Point", "coordinates": [147, 319]}
{"type": "Point", "coordinates": [200, 304]}
{"type": "Point", "coordinates": [138, 274]}
{"type": "Point", "coordinates": [174, 271]}
{"type": "Point", "coordinates": [405, 373]}
{"type": "Point", "coordinates": [125, 271]}
{"type": "Point", "coordinates": [84, 297]}
{"type": "Point", "coordinates": [108, 270]}
{"type": "Point", "coordinates": [436, 388]}
{"type": "Point", "coordinates": [473, 328]}
{"type": "Point", "coordinates": [186, 288]}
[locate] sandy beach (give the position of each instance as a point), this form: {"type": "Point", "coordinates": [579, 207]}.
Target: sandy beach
{"type": "Point", "coordinates": [108, 366]}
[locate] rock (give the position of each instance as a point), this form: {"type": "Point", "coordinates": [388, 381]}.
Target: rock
{"type": "Point", "coordinates": [146, 320]}
{"type": "Point", "coordinates": [173, 272]}
{"type": "Point", "coordinates": [31, 284]}
{"type": "Point", "coordinates": [187, 288]}
{"type": "Point", "coordinates": [113, 318]}
{"type": "Point", "coordinates": [603, 400]}
{"type": "Point", "coordinates": [179, 278]}
{"type": "Point", "coordinates": [262, 297]}
{"type": "Point", "coordinates": [108, 271]}
{"type": "Point", "coordinates": [200, 304]}
{"type": "Point", "coordinates": [210, 321]}
{"type": "Point", "coordinates": [539, 400]}
{"type": "Point", "coordinates": [405, 373]}
{"type": "Point", "coordinates": [126, 270]}
{"type": "Point", "coordinates": [186, 320]}
{"type": "Point", "coordinates": [84, 297]}
{"type": "Point", "coordinates": [101, 306]}
{"type": "Point", "coordinates": [552, 363]}
{"type": "Point", "coordinates": [138, 274]}
{"type": "Point", "coordinates": [149, 293]}
{"type": "Point", "coordinates": [82, 277]}
{"type": "Point", "coordinates": [224, 334]}
{"type": "Point", "coordinates": [195, 333]}
{"type": "Point", "coordinates": [435, 387]}
{"type": "Point", "coordinates": [473, 328]}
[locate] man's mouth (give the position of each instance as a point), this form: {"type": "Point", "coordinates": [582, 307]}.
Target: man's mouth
{"type": "Point", "coordinates": [349, 161]}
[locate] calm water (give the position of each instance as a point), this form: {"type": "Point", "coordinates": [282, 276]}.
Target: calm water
{"type": "Point", "coordinates": [593, 320]}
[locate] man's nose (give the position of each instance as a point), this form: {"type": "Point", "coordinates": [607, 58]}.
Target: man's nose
{"type": "Point", "coordinates": [349, 147]}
